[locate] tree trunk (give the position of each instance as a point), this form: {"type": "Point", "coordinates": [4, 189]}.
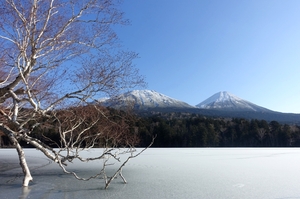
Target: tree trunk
{"type": "Point", "coordinates": [23, 163]}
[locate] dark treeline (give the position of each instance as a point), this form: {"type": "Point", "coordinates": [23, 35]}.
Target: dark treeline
{"type": "Point", "coordinates": [199, 131]}
{"type": "Point", "coordinates": [179, 130]}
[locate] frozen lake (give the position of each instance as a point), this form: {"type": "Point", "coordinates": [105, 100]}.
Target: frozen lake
{"type": "Point", "coordinates": [166, 173]}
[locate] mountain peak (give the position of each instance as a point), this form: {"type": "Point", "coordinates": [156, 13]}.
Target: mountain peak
{"type": "Point", "coordinates": [226, 101]}
{"type": "Point", "coordinates": [223, 96]}
{"type": "Point", "coordinates": [144, 99]}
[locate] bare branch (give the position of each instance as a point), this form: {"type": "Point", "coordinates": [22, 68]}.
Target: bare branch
{"type": "Point", "coordinates": [57, 57]}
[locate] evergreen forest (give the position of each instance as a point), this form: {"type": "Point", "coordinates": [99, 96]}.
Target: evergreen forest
{"type": "Point", "coordinates": [198, 131]}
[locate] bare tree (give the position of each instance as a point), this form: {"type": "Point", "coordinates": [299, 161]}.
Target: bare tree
{"type": "Point", "coordinates": [261, 134]}
{"type": "Point", "coordinates": [56, 56]}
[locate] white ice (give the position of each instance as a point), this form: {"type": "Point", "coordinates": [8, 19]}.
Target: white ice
{"type": "Point", "coordinates": [166, 173]}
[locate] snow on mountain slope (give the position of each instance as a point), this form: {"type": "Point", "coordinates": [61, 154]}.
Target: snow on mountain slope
{"type": "Point", "coordinates": [144, 99]}
{"type": "Point", "coordinates": [227, 101]}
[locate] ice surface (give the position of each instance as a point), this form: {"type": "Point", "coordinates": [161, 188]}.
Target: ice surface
{"type": "Point", "coordinates": [166, 173]}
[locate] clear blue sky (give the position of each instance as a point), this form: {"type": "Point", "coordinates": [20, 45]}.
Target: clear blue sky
{"type": "Point", "coordinates": [192, 49]}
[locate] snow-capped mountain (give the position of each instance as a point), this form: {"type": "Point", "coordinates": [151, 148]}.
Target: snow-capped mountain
{"type": "Point", "coordinates": [227, 101]}
{"type": "Point", "coordinates": [145, 99]}
{"type": "Point", "coordinates": [222, 104]}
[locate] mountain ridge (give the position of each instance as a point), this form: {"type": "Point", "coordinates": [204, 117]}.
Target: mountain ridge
{"type": "Point", "coordinates": [145, 99]}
